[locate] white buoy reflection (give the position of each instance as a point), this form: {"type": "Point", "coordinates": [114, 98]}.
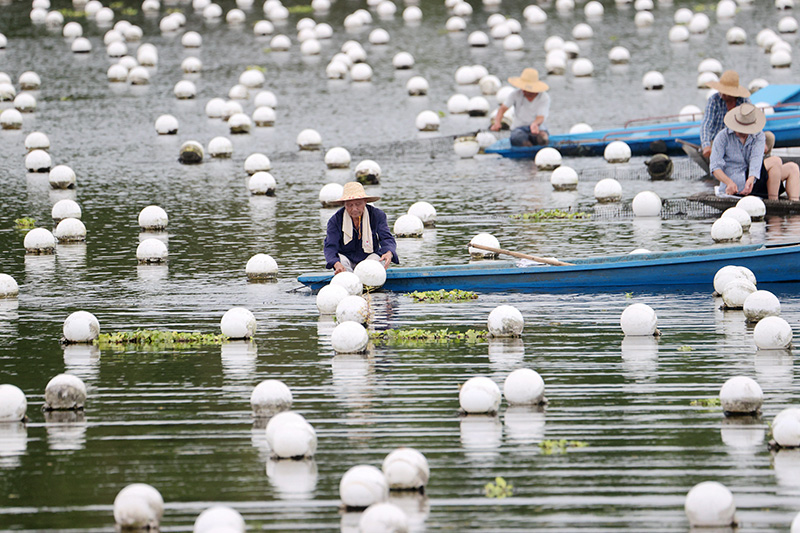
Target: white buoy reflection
{"type": "Point", "coordinates": [66, 430]}
{"type": "Point", "coordinates": [83, 360]}
{"type": "Point", "coordinates": [524, 424]}
{"type": "Point", "coordinates": [258, 438]}
{"type": "Point", "coordinates": [349, 522]}
{"type": "Point", "coordinates": [162, 236]}
{"type": "Point", "coordinates": [787, 467]}
{"type": "Point", "coordinates": [774, 368]}
{"type": "Point", "coordinates": [72, 255]}
{"type": "Point", "coordinates": [415, 505]}
{"type": "Point", "coordinates": [39, 267]}
{"type": "Point", "coordinates": [481, 437]}
{"type": "Point", "coordinates": [152, 274]}
{"type": "Point", "coordinates": [647, 232]}
{"type": "Point", "coordinates": [325, 327]}
{"type": "Point", "coordinates": [293, 480]}
{"type": "Point", "coordinates": [353, 382]}
{"type": "Point", "coordinates": [640, 357]}
{"type": "Point", "coordinates": [743, 435]}
{"type": "Point", "coordinates": [239, 361]}
{"type": "Point", "coordinates": [9, 314]}
{"type": "Point", "coordinates": [13, 443]}
{"type": "Point", "coordinates": [506, 354]}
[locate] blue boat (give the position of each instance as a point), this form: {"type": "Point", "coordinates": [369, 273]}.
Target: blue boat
{"type": "Point", "coordinates": [770, 263]}
{"type": "Point", "coordinates": [784, 123]}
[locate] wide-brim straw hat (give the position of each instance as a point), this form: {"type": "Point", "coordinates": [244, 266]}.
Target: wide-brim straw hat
{"type": "Point", "coordinates": [353, 190]}
{"type": "Point", "coordinates": [745, 118]}
{"type": "Point", "coordinates": [529, 81]}
{"type": "Point", "coordinates": [729, 84]}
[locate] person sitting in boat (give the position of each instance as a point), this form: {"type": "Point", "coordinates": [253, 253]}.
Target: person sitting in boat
{"type": "Point", "coordinates": [531, 105]}
{"type": "Point", "coordinates": [357, 232]}
{"type": "Point", "coordinates": [738, 150]}
{"type": "Point", "coordinates": [777, 177]}
{"type": "Point", "coordinates": [729, 95]}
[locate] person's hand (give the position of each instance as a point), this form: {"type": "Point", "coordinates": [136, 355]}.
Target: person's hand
{"type": "Point", "coordinates": [338, 267]}
{"type": "Point", "coordinates": [534, 128]}
{"type": "Point", "coordinates": [706, 151]}
{"type": "Point", "coordinates": [748, 186]}
{"type": "Point", "coordinates": [731, 188]}
{"type": "Point", "coordinates": [495, 126]}
{"type": "Point", "coordinates": [386, 259]}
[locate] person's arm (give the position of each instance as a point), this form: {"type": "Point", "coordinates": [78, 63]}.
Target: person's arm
{"type": "Point", "coordinates": [331, 248]}
{"type": "Point", "coordinates": [387, 247]}
{"type": "Point", "coordinates": [538, 121]}
{"type": "Point", "coordinates": [705, 128]}
{"type": "Point", "coordinates": [756, 159]}
{"type": "Point", "coordinates": [717, 162]}
{"type": "Point", "coordinates": [498, 118]}
{"type": "Point", "coordinates": [542, 110]}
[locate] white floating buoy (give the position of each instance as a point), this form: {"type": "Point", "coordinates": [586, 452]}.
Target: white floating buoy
{"type": "Point", "coordinates": [455, 24]}
{"type": "Point", "coordinates": [524, 387]}
{"type": "Point", "coordinates": [185, 90]}
{"type": "Point", "coordinates": [328, 298]}
{"type": "Point", "coordinates": [736, 292]}
{"type": "Point", "coordinates": [728, 273]}
{"type": "Point", "coordinates": [593, 9]}
{"type": "Point", "coordinates": [372, 275]}
{"type": "Point", "coordinates": [25, 103]}
{"type": "Point", "coordinates": [219, 518]}
{"type": "Point", "coordinates": [290, 436]}
{"type": "Point", "coordinates": [417, 86]}
{"type": "Point", "coordinates": [261, 267]}
{"type": "Point", "coordinates": [70, 230]}
{"type": "Point", "coordinates": [337, 157]}
{"type": "Point", "coordinates": [643, 19]}
{"type": "Point", "coordinates": [424, 211]}
{"type": "Point", "coordinates": [64, 392]}
{"type": "Point", "coordinates": [484, 239]}
{"type": "Point", "coordinates": [580, 127]}
{"type": "Point", "coordinates": [477, 39]}
{"type": "Point", "coordinates": [548, 158]}
{"type": "Point", "coordinates": [608, 190]}
{"type": "Point", "coordinates": [37, 141]}
{"type": "Point", "coordinates": [726, 9]}
{"type": "Point", "coordinates": [153, 218]}
{"type": "Point", "coordinates": [741, 395]}
{"type": "Point", "coordinates": [582, 67]}
{"type": "Point", "coordinates": [81, 45]}
{"type": "Point", "coordinates": [8, 286]}
{"type": "Point", "coordinates": [505, 321]}
{"type": "Point", "coordinates": [349, 281]}
{"type": "Point", "coordinates": [710, 65]}
{"type": "Point", "coordinates": [11, 119]}
{"type": "Point", "coordinates": [646, 204]}
{"type": "Point", "coordinates": [699, 23]}
{"type": "Point", "coordinates": [466, 147]}
{"type": "Point", "coordinates": [39, 241]}
{"type": "Point", "coordinates": [349, 337]}
{"type": "Point", "coordinates": [238, 323]}
{"type": "Point", "coordinates": [564, 178]}
{"type": "Point", "coordinates": [13, 404]}
{"type": "Point", "coordinates": [619, 55]}
{"type": "Point", "coordinates": [704, 78]}
{"type": "Point", "coordinates": [239, 123]}
{"type": "Point", "coordinates": [309, 139]}
{"type": "Point", "coordinates": [383, 517]}
{"type": "Point", "coordinates": [534, 14]}
{"type": "Point", "coordinates": [689, 113]}
{"type": "Point", "coordinates": [761, 304]}
{"type": "Point", "coordinates": [269, 397]}
{"type": "Point", "coordinates": [786, 431]}
{"type": "Point", "coordinates": [220, 147]}
{"type": "Point", "coordinates": [710, 504]}
{"type": "Point", "coordinates": [427, 121]}
{"type": "Point", "coordinates": [638, 320]}
{"type": "Point", "coordinates": [787, 24]}
{"type": "Point", "coordinates": [71, 30]}
{"type": "Point", "coordinates": [362, 486]}
{"type": "Point", "coordinates": [361, 72]}
{"type": "Point", "coordinates": [330, 193]}
{"type": "Point", "coordinates": [736, 35]}
{"type": "Point", "coordinates": [81, 327]}
{"type": "Point", "coordinates": [772, 332]}
{"type": "Point", "coordinates": [754, 206]}
{"type": "Point", "coordinates": [138, 76]}
{"type": "Point", "coordinates": [62, 177]}
{"type": "Point", "coordinates": [738, 214]}
{"type": "Point", "coordinates": [138, 506]}
{"type": "Point", "coordinates": [353, 308]}
{"type": "Point", "coordinates": [403, 60]}
{"type": "Point", "coordinates": [653, 81]}
{"type": "Point", "coordinates": [617, 152]}
{"type": "Point", "coordinates": [406, 469]}
{"type": "Point", "coordinates": [726, 229]}
{"type": "Point", "coordinates": [479, 395]}
{"type": "Point", "coordinates": [678, 34]}
{"type": "Point", "coordinates": [151, 251]}
{"type": "Point", "coordinates": [166, 125]}
{"type": "Point", "coordinates": [191, 153]}
{"type": "Point", "coordinates": [264, 116]}
{"type": "Point", "coordinates": [408, 226]}
{"type": "Point", "coordinates": [780, 59]}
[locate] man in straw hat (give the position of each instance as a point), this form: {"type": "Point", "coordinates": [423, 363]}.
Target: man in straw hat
{"type": "Point", "coordinates": [729, 95]}
{"type": "Point", "coordinates": [738, 150]}
{"type": "Point", "coordinates": [531, 105]}
{"type": "Point", "coordinates": [357, 232]}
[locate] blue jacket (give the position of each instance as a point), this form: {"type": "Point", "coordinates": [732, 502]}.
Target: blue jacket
{"type": "Point", "coordinates": [381, 236]}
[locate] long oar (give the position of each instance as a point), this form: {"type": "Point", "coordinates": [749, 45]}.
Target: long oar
{"type": "Point", "coordinates": [547, 260]}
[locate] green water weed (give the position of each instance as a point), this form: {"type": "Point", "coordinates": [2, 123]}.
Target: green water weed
{"type": "Point", "coordinates": [499, 488]}
{"type": "Point", "coordinates": [395, 336]}
{"type": "Point", "coordinates": [553, 447]}
{"type": "Point", "coordinates": [550, 214]}
{"type": "Point", "coordinates": [442, 295]}
{"type": "Point", "coordinates": [158, 338]}
{"type": "Point", "coordinates": [24, 223]}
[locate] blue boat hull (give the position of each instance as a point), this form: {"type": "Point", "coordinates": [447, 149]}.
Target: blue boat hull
{"type": "Point", "coordinates": [785, 124]}
{"type": "Point", "coordinates": [686, 267]}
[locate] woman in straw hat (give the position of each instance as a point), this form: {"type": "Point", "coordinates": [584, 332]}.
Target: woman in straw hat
{"type": "Point", "coordinates": [738, 150]}
{"type": "Point", "coordinates": [777, 177]}
{"type": "Point", "coordinates": [357, 232]}
{"type": "Point", "coordinates": [531, 105]}
{"type": "Point", "coordinates": [729, 95]}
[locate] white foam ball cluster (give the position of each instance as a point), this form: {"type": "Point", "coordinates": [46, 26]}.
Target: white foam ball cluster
{"type": "Point", "coordinates": [736, 292]}
{"type": "Point", "coordinates": [639, 320]}
{"type": "Point", "coordinates": [238, 323]}
{"type": "Point", "coordinates": [349, 281]}
{"type": "Point", "coordinates": [269, 397]}
{"type": "Point", "coordinates": [730, 272]}
{"type": "Point", "coordinates": [64, 392]}
{"type": "Point", "coordinates": [479, 395]}
{"type": "Point", "coordinates": [328, 298]}
{"type": "Point", "coordinates": [290, 436]}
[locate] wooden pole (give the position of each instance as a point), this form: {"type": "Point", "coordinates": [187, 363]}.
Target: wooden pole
{"type": "Point", "coordinates": [547, 260]}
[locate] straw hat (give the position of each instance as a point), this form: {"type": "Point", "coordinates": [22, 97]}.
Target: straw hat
{"type": "Point", "coordinates": [729, 84]}
{"type": "Point", "coordinates": [745, 118]}
{"type": "Point", "coordinates": [529, 81]}
{"type": "Point", "coordinates": [353, 190]}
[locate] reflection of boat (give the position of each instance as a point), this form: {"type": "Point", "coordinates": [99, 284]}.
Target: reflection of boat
{"type": "Point", "coordinates": [784, 123]}
{"type": "Point", "coordinates": [770, 263]}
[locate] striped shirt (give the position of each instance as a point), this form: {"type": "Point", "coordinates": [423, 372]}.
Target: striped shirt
{"type": "Point", "coordinates": [714, 116]}
{"type": "Point", "coordinates": [738, 161]}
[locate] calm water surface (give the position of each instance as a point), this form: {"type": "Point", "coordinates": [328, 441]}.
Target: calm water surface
{"type": "Point", "coordinates": [181, 422]}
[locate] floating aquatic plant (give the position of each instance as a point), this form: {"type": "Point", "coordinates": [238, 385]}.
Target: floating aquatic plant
{"type": "Point", "coordinates": [500, 488]}
{"type": "Point", "coordinates": [550, 214]}
{"type": "Point", "coordinates": [159, 338]}
{"type": "Point", "coordinates": [442, 296]}
{"type": "Point", "coordinates": [706, 402]}
{"type": "Point", "coordinates": [300, 9]}
{"type": "Point", "coordinates": [685, 348]}
{"type": "Point", "coordinates": [71, 13]}
{"type": "Point", "coordinates": [550, 447]}
{"type": "Point", "coordinates": [427, 335]}
{"type": "Point", "coordinates": [24, 223]}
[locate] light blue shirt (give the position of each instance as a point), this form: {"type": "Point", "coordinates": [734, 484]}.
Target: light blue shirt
{"type": "Point", "coordinates": [738, 161]}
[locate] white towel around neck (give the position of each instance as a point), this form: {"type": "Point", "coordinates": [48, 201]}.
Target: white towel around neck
{"type": "Point", "coordinates": [366, 230]}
